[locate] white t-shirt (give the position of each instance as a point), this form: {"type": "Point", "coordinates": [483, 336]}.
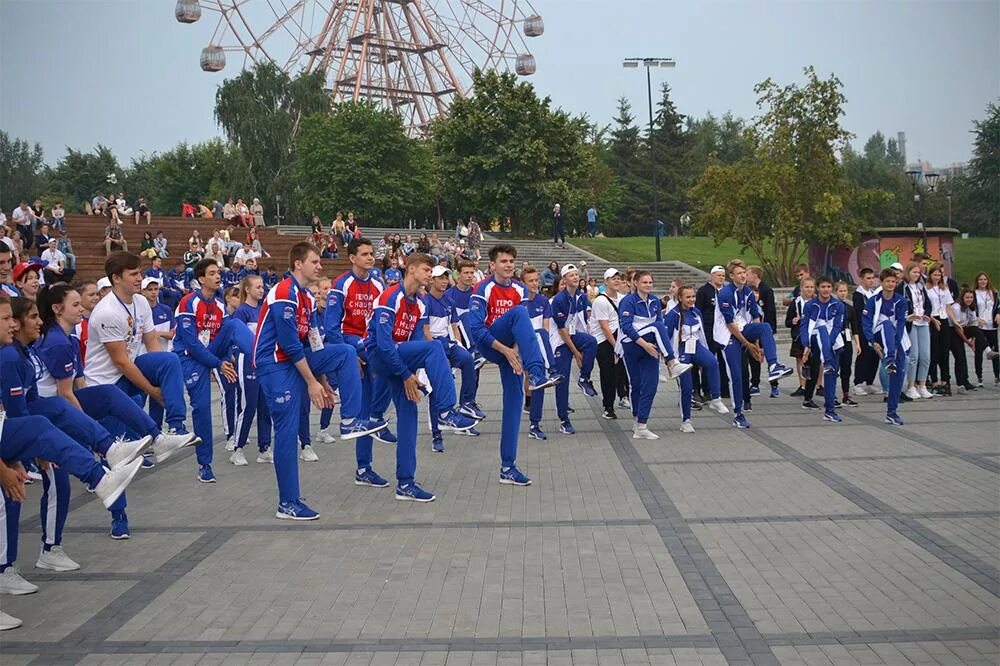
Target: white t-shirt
{"type": "Point", "coordinates": [940, 298]}
{"type": "Point", "coordinates": [113, 321]}
{"type": "Point", "coordinates": [917, 292]}
{"type": "Point", "coordinates": [984, 303]}
{"type": "Point", "coordinates": [602, 310]}
{"type": "Point", "coordinates": [21, 216]}
{"type": "Point", "coordinates": [54, 258]}
{"type": "Point", "coordinates": [243, 256]}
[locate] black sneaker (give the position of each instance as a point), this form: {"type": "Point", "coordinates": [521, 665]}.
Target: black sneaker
{"type": "Point", "coordinates": [848, 401]}
{"type": "Point", "coordinates": [905, 398]}
{"type": "Point", "coordinates": [809, 404]}
{"type": "Point", "coordinates": [746, 406]}
{"type": "Point", "coordinates": [798, 393]}
{"type": "Point", "coordinates": [696, 405]}
{"type": "Point", "coordinates": [837, 404]}
{"type": "Point", "coordinates": [609, 414]}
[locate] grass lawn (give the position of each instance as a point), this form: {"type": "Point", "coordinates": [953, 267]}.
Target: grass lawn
{"type": "Point", "coordinates": [971, 255]}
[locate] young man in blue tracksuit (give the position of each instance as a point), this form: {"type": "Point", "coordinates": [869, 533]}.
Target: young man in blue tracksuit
{"type": "Point", "coordinates": [204, 340]}
{"type": "Point", "coordinates": [540, 312]}
{"type": "Point", "coordinates": [293, 362]}
{"type": "Point", "coordinates": [349, 305]}
{"type": "Point", "coordinates": [438, 327]}
{"type": "Point", "coordinates": [643, 340]}
{"type": "Point", "coordinates": [884, 325]}
{"type": "Point", "coordinates": [738, 327]}
{"type": "Point", "coordinates": [686, 331]}
{"type": "Point", "coordinates": [396, 357]}
{"type": "Point", "coordinates": [819, 331]}
{"type": "Point", "coordinates": [496, 324]}
{"type": "Point", "coordinates": [570, 340]}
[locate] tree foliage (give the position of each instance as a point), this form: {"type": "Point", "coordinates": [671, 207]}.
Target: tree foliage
{"type": "Point", "coordinates": [21, 171]}
{"type": "Point", "coordinates": [79, 176]}
{"type": "Point", "coordinates": [360, 158]}
{"type": "Point", "coordinates": [260, 112]}
{"type": "Point", "coordinates": [791, 190]}
{"type": "Point", "coordinates": [978, 192]}
{"type": "Point", "coordinates": [504, 152]}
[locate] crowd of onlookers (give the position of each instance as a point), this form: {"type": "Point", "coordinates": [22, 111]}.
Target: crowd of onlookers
{"type": "Point", "coordinates": [239, 213]}
{"type": "Point", "coordinates": [38, 236]}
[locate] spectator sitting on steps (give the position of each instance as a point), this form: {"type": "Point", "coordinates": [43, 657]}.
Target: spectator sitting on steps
{"type": "Point", "coordinates": [142, 211]}
{"type": "Point", "coordinates": [113, 238]}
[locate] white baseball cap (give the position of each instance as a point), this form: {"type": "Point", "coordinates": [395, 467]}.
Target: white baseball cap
{"type": "Point", "coordinates": [568, 268]}
{"type": "Point", "coordinates": [146, 281]}
{"type": "Point", "coordinates": [104, 283]}
{"type": "Point", "coordinates": [717, 269]}
{"type": "Point", "coordinates": [439, 270]}
{"type": "Point", "coordinates": [898, 266]}
{"type": "Point", "coordinates": [610, 273]}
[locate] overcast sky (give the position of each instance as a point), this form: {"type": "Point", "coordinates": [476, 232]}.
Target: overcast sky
{"type": "Point", "coordinates": [125, 73]}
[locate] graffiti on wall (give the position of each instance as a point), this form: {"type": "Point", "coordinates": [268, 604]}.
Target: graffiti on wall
{"type": "Point", "coordinates": [880, 252]}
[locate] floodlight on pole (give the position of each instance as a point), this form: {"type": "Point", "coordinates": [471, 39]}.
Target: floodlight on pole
{"type": "Point", "coordinates": [633, 63]}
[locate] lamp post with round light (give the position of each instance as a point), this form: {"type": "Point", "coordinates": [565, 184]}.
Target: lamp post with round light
{"type": "Point", "coordinates": [930, 178]}
{"type": "Point", "coordinates": [635, 63]}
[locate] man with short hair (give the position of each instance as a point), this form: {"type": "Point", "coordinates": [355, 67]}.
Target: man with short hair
{"type": "Point", "coordinates": [496, 325]}
{"type": "Point", "coordinates": [604, 328]}
{"type": "Point", "coordinates": [113, 238]}
{"type": "Point", "coordinates": [24, 218]}
{"type": "Point", "coordinates": [292, 361]}
{"type": "Point", "coordinates": [866, 367]}
{"type": "Point", "coordinates": [765, 297]}
{"type": "Point", "coordinates": [592, 221]}
{"type": "Point", "coordinates": [56, 266]}
{"type": "Point", "coordinates": [400, 360]}
{"type": "Point", "coordinates": [705, 298]}
{"type": "Point", "coordinates": [884, 326]}
{"type": "Point", "coordinates": [819, 334]}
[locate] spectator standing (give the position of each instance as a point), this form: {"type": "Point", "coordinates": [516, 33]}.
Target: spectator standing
{"type": "Point", "coordinates": [558, 232]}
{"type": "Point", "coordinates": [592, 221]}
{"type": "Point", "coordinates": [474, 239]}
{"type": "Point", "coordinates": [988, 314]}
{"type": "Point", "coordinates": [113, 238]}
{"type": "Point", "coordinates": [24, 219]}
{"type": "Point", "coordinates": [257, 213]}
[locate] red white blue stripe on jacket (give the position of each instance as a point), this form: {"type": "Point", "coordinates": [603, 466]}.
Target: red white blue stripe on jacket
{"type": "Point", "coordinates": [286, 315]}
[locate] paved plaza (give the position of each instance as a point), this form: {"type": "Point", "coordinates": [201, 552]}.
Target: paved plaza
{"type": "Point", "coordinates": [794, 542]}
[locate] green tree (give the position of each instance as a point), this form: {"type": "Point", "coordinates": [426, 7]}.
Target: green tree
{"type": "Point", "coordinates": [978, 193]}
{"type": "Point", "coordinates": [79, 176]}
{"type": "Point", "coordinates": [360, 158]}
{"type": "Point", "coordinates": [504, 152]}
{"type": "Point", "coordinates": [21, 171]}
{"type": "Point", "coordinates": [674, 175]}
{"type": "Point", "coordinates": [792, 190]}
{"type": "Point", "coordinates": [197, 173]}
{"type": "Point", "coordinates": [626, 158]}
{"type": "Point", "coordinates": [260, 112]}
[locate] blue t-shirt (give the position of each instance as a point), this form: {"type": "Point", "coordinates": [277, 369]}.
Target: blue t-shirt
{"type": "Point", "coordinates": [57, 357]}
{"type": "Point", "coordinates": [392, 275]}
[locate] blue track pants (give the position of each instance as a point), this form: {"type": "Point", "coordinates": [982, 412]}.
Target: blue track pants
{"type": "Point", "coordinates": [705, 360]}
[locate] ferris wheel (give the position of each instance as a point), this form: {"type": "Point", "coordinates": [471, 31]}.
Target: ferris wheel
{"type": "Point", "coordinates": [413, 56]}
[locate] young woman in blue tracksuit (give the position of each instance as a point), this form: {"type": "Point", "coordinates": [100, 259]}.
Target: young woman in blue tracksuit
{"type": "Point", "coordinates": [643, 341]}
{"type": "Point", "coordinates": [570, 340]}
{"type": "Point", "coordinates": [250, 402]}
{"type": "Point", "coordinates": [539, 312]}
{"type": "Point", "coordinates": [819, 333]}
{"type": "Point", "coordinates": [884, 325]}
{"type": "Point", "coordinates": [687, 335]}
{"type": "Point", "coordinates": [738, 327]}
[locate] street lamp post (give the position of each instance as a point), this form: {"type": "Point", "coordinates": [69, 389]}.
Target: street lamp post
{"type": "Point", "coordinates": [916, 175]}
{"type": "Point", "coordinates": [633, 63]}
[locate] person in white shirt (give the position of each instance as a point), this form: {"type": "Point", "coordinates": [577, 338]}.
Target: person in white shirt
{"type": "Point", "coordinates": [604, 328]}
{"type": "Point", "coordinates": [56, 265]}
{"type": "Point", "coordinates": [244, 254]}
{"type": "Point", "coordinates": [989, 320]}
{"type": "Point", "coordinates": [940, 298]}
{"type": "Point", "coordinates": [58, 216]}
{"type": "Point", "coordinates": [215, 253]}
{"type": "Point", "coordinates": [118, 325]}
{"type": "Point", "coordinates": [24, 218]}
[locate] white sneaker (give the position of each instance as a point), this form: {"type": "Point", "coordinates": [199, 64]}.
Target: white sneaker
{"type": "Point", "coordinates": [912, 393]}
{"type": "Point", "coordinates": [325, 436]}
{"type": "Point", "coordinates": [115, 480]}
{"type": "Point", "coordinates": [642, 431]}
{"type": "Point", "coordinates": [859, 389]}
{"type": "Point", "coordinates": [624, 403]}
{"type": "Point", "coordinates": [677, 369]}
{"type": "Point", "coordinates": [166, 444]}
{"type": "Point", "coordinates": [122, 451]}
{"type": "Point", "coordinates": [687, 426]}
{"type": "Point", "coordinates": [231, 443]}
{"type": "Point", "coordinates": [238, 458]}
{"type": "Point", "coordinates": [265, 457]}
{"type": "Point", "coordinates": [55, 559]}
{"type": "Point", "coordinates": [11, 582]}
{"type": "Point", "coordinates": [924, 393]}
{"type": "Point", "coordinates": [307, 454]}
{"type": "Point", "coordinates": [9, 621]}
{"type": "Point", "coordinates": [715, 405]}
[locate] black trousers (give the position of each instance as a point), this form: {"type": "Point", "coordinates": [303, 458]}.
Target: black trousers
{"type": "Point", "coordinates": [958, 351]}
{"type": "Point", "coordinates": [940, 350]}
{"type": "Point", "coordinates": [987, 339]}
{"type": "Point", "coordinates": [846, 359]}
{"type": "Point", "coordinates": [866, 367]}
{"type": "Point", "coordinates": [614, 379]}
{"type": "Point", "coordinates": [558, 235]}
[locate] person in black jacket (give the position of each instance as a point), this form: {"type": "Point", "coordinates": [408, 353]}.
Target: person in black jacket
{"type": "Point", "coordinates": [793, 317]}
{"type": "Point", "coordinates": [705, 302]}
{"type": "Point", "coordinates": [866, 368]}
{"type": "Point", "coordinates": [765, 296]}
{"type": "Point", "coordinates": [851, 336]}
